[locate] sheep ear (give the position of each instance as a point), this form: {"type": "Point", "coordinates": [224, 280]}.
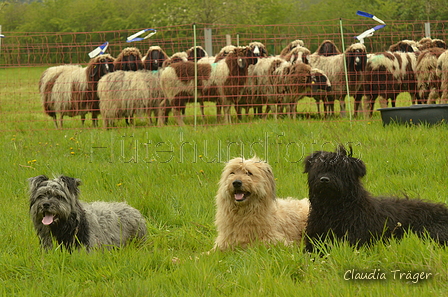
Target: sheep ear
{"type": "Point", "coordinates": [95, 70]}
{"type": "Point", "coordinates": [293, 58]}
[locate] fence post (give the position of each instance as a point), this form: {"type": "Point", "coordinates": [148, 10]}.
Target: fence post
{"type": "Point", "coordinates": [195, 76]}
{"type": "Point", "coordinates": [428, 30]}
{"type": "Point", "coordinates": [208, 41]}
{"type": "Point", "coordinates": [228, 39]}
{"type": "Point", "coordinates": [346, 74]}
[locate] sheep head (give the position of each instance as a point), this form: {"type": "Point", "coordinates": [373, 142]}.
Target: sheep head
{"type": "Point", "coordinates": [154, 59]}
{"type": "Point", "coordinates": [319, 80]}
{"type": "Point", "coordinates": [200, 53]}
{"type": "Point", "coordinates": [328, 48]}
{"type": "Point", "coordinates": [100, 66]}
{"type": "Point", "coordinates": [356, 57]}
{"type": "Point", "coordinates": [130, 59]}
{"type": "Point", "coordinates": [258, 49]}
{"type": "Point", "coordinates": [245, 57]}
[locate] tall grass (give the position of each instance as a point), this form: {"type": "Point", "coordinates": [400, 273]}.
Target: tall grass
{"type": "Point", "coordinates": [170, 174]}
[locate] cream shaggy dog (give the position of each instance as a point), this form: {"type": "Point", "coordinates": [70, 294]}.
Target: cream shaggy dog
{"type": "Point", "coordinates": [248, 210]}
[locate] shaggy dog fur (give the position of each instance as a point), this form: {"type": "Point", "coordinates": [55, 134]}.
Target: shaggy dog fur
{"type": "Point", "coordinates": [248, 211]}
{"type": "Point", "coordinates": [342, 209]}
{"type": "Point", "coordinates": [58, 215]}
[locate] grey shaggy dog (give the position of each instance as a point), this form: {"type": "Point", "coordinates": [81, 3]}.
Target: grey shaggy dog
{"type": "Point", "coordinates": [58, 215]}
{"type": "Point", "coordinates": [342, 209]}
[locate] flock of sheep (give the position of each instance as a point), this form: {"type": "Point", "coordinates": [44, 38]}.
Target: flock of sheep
{"type": "Point", "coordinates": [243, 77]}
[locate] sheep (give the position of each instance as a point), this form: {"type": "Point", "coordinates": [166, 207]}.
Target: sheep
{"type": "Point", "coordinates": [210, 94]}
{"type": "Point", "coordinates": [292, 45]}
{"type": "Point", "coordinates": [246, 96]}
{"type": "Point", "coordinates": [293, 81]}
{"type": "Point", "coordinates": [200, 53]}
{"type": "Point", "coordinates": [328, 48]}
{"type": "Point", "coordinates": [427, 43]}
{"type": "Point", "coordinates": [130, 59]}
{"type": "Point", "coordinates": [261, 92]}
{"type": "Point", "coordinates": [71, 89]}
{"type": "Point", "coordinates": [126, 93]}
{"type": "Point", "coordinates": [225, 77]}
{"type": "Point", "coordinates": [405, 46]}
{"type": "Point", "coordinates": [154, 58]}
{"type": "Point", "coordinates": [442, 72]}
{"type": "Point", "coordinates": [333, 66]}
{"type": "Point", "coordinates": [387, 75]}
{"type": "Point", "coordinates": [428, 82]}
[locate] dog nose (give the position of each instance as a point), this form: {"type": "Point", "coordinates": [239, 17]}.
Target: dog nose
{"type": "Point", "coordinates": [237, 183]}
{"type": "Point", "coordinates": [324, 179]}
{"type": "Point", "coordinates": [46, 205]}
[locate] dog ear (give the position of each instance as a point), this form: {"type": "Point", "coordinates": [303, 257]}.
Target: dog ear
{"type": "Point", "coordinates": [309, 160]}
{"type": "Point", "coordinates": [360, 167]}
{"type": "Point", "coordinates": [34, 182]}
{"type": "Point", "coordinates": [71, 183]}
{"type": "Point", "coordinates": [268, 172]}
{"type": "Point", "coordinates": [341, 150]}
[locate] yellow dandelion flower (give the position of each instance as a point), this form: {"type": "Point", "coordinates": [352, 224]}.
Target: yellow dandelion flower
{"type": "Point", "coordinates": [200, 156]}
{"type": "Point", "coordinates": [119, 184]}
{"type": "Point", "coordinates": [72, 153]}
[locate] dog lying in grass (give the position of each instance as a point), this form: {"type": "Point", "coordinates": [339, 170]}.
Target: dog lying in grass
{"type": "Point", "coordinates": [248, 210]}
{"type": "Point", "coordinates": [341, 208]}
{"type": "Point", "coordinates": [59, 216]}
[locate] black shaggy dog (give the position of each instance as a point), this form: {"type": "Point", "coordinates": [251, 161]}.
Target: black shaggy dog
{"type": "Point", "coordinates": [342, 209]}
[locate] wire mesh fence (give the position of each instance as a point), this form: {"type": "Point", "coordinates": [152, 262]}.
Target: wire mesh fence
{"type": "Point", "coordinates": [217, 90]}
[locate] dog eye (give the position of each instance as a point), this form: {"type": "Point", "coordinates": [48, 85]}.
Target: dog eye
{"type": "Point", "coordinates": [232, 173]}
{"type": "Point", "coordinates": [249, 173]}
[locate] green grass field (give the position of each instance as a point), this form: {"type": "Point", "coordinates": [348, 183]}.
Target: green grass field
{"type": "Point", "coordinates": [170, 174]}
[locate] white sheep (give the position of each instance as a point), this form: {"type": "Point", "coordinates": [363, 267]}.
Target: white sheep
{"type": "Point", "coordinates": [333, 66]}
{"type": "Point", "coordinates": [71, 89]}
{"type": "Point", "coordinates": [124, 94]}
{"type": "Point", "coordinates": [442, 72]}
{"type": "Point", "coordinates": [428, 82]}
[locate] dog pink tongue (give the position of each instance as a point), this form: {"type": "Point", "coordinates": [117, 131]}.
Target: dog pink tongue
{"type": "Point", "coordinates": [239, 196]}
{"type": "Point", "coordinates": [48, 219]}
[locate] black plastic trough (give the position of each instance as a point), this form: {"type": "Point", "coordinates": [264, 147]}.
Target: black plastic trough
{"type": "Point", "coordinates": [415, 114]}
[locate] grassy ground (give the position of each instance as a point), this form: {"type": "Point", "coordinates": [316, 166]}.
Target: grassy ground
{"type": "Point", "coordinates": [170, 174]}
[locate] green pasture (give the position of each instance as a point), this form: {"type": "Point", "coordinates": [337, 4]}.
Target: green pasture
{"type": "Point", "coordinates": [171, 173]}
